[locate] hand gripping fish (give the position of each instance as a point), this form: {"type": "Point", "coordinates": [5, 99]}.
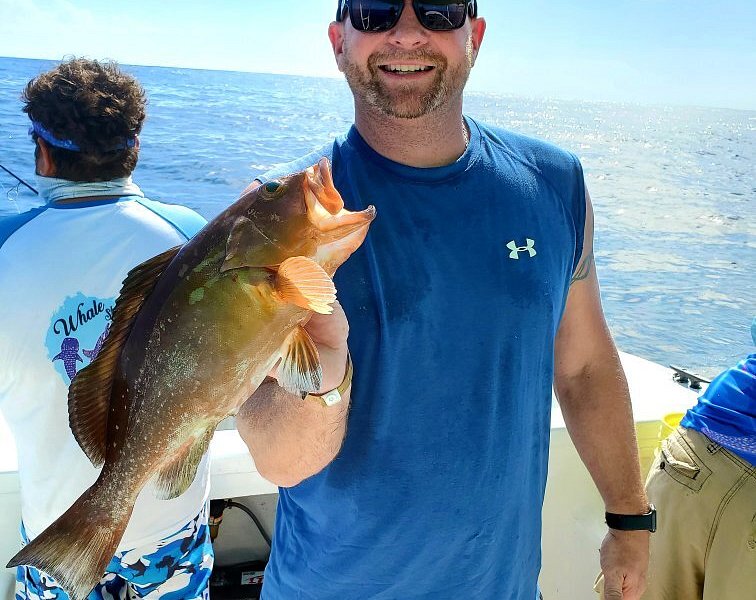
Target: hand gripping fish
{"type": "Point", "coordinates": [194, 333]}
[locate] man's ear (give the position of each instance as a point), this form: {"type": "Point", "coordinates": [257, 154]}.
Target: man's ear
{"type": "Point", "coordinates": [45, 163]}
{"type": "Point", "coordinates": [336, 35]}
{"type": "Point", "coordinates": [478, 31]}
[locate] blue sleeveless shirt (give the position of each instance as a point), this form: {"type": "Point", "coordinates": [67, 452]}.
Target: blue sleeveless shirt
{"type": "Point", "coordinates": [453, 301]}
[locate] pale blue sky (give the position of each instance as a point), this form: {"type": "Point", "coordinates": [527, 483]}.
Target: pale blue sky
{"type": "Point", "coordinates": [690, 52]}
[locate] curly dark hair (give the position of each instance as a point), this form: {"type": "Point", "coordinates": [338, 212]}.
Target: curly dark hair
{"type": "Point", "coordinates": [97, 106]}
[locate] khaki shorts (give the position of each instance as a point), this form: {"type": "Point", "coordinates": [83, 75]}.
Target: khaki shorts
{"type": "Point", "coordinates": [705, 545]}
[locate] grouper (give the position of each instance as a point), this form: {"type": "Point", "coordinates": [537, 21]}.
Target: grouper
{"type": "Point", "coordinates": [194, 332]}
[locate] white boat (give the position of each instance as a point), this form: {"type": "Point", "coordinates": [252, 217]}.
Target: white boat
{"type": "Point", "coordinates": [572, 517]}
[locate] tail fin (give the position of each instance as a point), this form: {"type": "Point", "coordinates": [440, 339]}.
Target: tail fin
{"type": "Point", "coordinates": [77, 547]}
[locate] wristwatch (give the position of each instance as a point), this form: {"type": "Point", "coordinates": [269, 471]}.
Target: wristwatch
{"type": "Point", "coordinates": [334, 396]}
{"type": "Point", "coordinates": [644, 522]}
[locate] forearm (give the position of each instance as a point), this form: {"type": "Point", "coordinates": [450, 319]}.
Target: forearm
{"type": "Point", "coordinates": [289, 438]}
{"type": "Point", "coordinates": [598, 413]}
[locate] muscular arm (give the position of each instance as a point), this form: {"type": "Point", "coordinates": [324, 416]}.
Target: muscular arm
{"type": "Point", "coordinates": [593, 394]}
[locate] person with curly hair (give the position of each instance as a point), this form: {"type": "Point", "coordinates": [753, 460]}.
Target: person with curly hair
{"type": "Point", "coordinates": [61, 268]}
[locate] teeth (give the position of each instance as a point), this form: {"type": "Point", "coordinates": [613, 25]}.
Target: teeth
{"type": "Point", "coordinates": [406, 68]}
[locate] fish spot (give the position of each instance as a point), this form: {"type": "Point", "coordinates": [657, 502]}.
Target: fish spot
{"type": "Point", "coordinates": [196, 295]}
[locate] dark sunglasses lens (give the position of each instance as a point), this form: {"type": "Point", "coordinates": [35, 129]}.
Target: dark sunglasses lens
{"type": "Point", "coordinates": [441, 16]}
{"type": "Point", "coordinates": [374, 15]}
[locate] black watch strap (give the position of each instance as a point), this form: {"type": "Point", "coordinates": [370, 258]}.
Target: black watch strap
{"type": "Point", "coordinates": [644, 522]}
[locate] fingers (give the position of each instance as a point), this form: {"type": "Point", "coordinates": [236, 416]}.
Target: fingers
{"type": "Point", "coordinates": [612, 587]}
{"type": "Point", "coordinates": [624, 562]}
{"type": "Point", "coordinates": [617, 587]}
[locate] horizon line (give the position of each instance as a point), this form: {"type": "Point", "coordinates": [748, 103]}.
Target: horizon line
{"type": "Point", "coordinates": [339, 76]}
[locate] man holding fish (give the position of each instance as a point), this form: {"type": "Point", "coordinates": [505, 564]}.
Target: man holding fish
{"type": "Point", "coordinates": [474, 292]}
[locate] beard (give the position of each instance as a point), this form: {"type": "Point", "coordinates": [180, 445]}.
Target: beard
{"type": "Point", "coordinates": [408, 101]}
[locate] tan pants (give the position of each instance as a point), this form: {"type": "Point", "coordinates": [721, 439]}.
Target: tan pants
{"type": "Point", "coordinates": [705, 546]}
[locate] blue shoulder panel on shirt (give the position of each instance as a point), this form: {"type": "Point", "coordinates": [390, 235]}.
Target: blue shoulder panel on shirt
{"type": "Point", "coordinates": [297, 165]}
{"type": "Point", "coordinates": [184, 220]}
{"type": "Point", "coordinates": [560, 168]}
{"type": "Point", "coordinates": [9, 225]}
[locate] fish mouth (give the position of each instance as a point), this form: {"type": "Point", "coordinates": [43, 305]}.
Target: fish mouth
{"type": "Point", "coordinates": [325, 207]}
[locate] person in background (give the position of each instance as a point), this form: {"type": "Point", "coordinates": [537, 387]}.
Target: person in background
{"type": "Point", "coordinates": [704, 485]}
{"type": "Point", "coordinates": [61, 268]}
{"type": "Point", "coordinates": [474, 291]}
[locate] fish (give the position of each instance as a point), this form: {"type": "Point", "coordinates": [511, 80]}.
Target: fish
{"type": "Point", "coordinates": [194, 332]}
{"type": "Point", "coordinates": [69, 354]}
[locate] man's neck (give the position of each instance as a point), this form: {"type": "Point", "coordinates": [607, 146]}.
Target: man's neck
{"type": "Point", "coordinates": [434, 140]}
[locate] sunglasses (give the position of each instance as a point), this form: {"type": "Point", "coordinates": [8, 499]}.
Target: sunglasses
{"type": "Point", "coordinates": [381, 15]}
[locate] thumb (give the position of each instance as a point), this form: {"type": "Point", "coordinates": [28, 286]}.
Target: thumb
{"type": "Point", "coordinates": [612, 587]}
{"type": "Point", "coordinates": [612, 593]}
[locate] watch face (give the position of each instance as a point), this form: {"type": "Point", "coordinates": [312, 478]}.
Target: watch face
{"type": "Point", "coordinates": [331, 398]}
{"type": "Point", "coordinates": [652, 525]}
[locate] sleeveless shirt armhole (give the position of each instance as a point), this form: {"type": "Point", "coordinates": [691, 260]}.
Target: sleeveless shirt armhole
{"type": "Point", "coordinates": [578, 211]}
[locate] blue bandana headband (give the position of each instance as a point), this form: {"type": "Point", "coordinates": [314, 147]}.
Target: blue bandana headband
{"type": "Point", "coordinates": [46, 135]}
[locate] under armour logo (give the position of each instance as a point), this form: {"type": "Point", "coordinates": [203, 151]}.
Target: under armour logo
{"type": "Point", "coordinates": [529, 248]}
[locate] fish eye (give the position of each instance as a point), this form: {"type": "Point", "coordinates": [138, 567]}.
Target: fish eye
{"type": "Point", "coordinates": [272, 187]}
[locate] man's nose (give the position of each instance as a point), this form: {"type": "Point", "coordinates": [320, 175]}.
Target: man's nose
{"type": "Point", "coordinates": [408, 32]}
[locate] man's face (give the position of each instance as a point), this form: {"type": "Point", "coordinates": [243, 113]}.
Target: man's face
{"type": "Point", "coordinates": [408, 71]}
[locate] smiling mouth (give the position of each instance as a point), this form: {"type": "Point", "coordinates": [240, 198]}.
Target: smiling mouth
{"type": "Point", "coordinates": [406, 68]}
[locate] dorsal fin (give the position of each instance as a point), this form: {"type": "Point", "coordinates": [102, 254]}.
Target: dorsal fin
{"type": "Point", "coordinates": [89, 393]}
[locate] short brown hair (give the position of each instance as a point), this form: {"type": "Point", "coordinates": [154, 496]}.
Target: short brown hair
{"type": "Point", "coordinates": [95, 105]}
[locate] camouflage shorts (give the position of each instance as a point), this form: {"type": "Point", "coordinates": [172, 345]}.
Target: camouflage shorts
{"type": "Point", "coordinates": [175, 568]}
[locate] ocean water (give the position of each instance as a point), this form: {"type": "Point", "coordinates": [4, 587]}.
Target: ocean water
{"type": "Point", "coordinates": [673, 188]}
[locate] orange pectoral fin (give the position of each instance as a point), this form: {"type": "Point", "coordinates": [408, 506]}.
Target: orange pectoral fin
{"type": "Point", "coordinates": [303, 282]}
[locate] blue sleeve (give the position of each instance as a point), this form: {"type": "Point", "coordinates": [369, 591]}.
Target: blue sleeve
{"type": "Point", "coordinates": [9, 225]}
{"type": "Point", "coordinates": [298, 165]}
{"type": "Point", "coordinates": [183, 219]}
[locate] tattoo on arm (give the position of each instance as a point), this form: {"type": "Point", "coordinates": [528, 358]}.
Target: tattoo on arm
{"type": "Point", "coordinates": [583, 270]}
